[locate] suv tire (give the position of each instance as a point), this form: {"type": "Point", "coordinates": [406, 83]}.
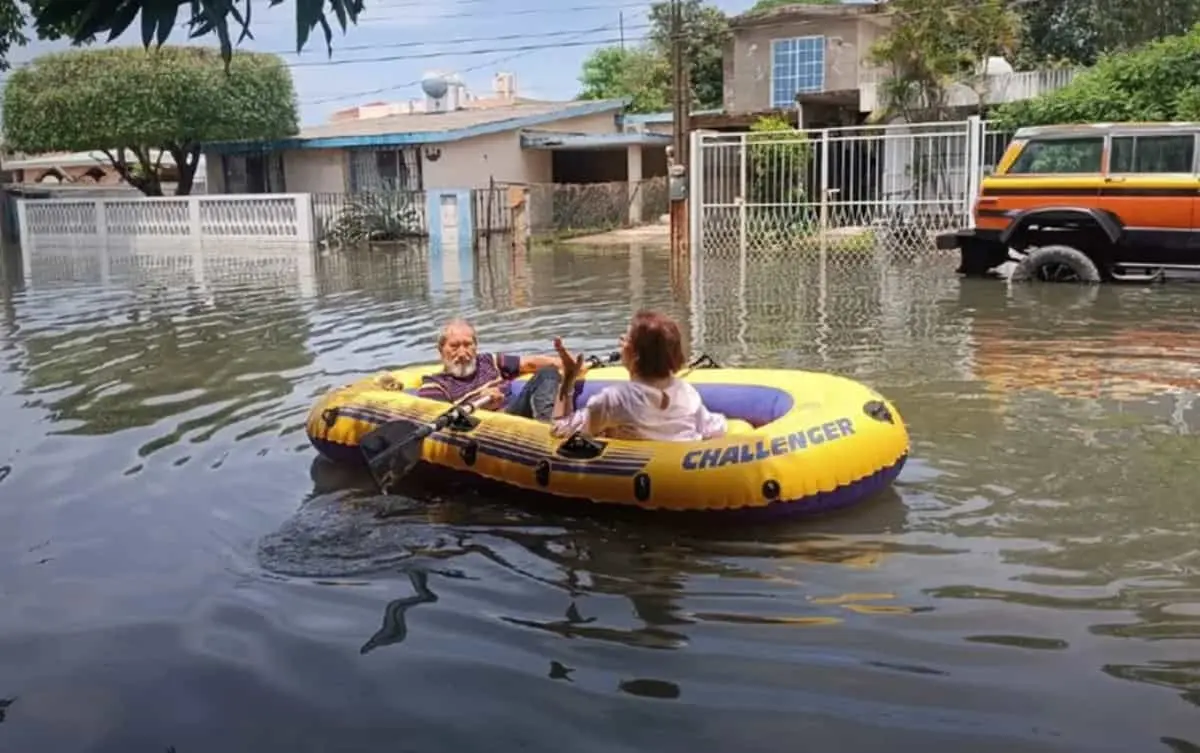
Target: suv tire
{"type": "Point", "coordinates": [1056, 264]}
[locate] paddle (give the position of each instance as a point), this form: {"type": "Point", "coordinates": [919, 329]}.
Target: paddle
{"type": "Point", "coordinates": [394, 448]}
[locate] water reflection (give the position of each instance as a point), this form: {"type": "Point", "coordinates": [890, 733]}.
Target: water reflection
{"type": "Point", "coordinates": [1183, 676]}
{"type": "Point", "coordinates": [203, 361]}
{"type": "Point", "coordinates": [1042, 536]}
{"type": "Point", "coordinates": [394, 629]}
{"type": "Point", "coordinates": [646, 688]}
{"type": "Point", "coordinates": [651, 565]}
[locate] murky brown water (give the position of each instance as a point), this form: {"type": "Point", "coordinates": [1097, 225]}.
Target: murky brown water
{"type": "Point", "coordinates": [176, 570]}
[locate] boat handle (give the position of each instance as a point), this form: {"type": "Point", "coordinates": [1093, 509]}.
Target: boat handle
{"type": "Point", "coordinates": [878, 410]}
{"type": "Point", "coordinates": [580, 447]}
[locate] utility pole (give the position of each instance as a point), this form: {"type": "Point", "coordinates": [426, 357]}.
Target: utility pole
{"type": "Point", "coordinates": [621, 26]}
{"type": "Point", "coordinates": [680, 130]}
{"type": "Point", "coordinates": [679, 92]}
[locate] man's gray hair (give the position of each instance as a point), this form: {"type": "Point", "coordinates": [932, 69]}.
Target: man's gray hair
{"type": "Point", "coordinates": [455, 324]}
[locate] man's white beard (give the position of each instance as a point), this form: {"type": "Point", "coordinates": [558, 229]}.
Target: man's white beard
{"type": "Point", "coordinates": [461, 370]}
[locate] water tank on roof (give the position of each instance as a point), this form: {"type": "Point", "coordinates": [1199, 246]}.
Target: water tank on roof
{"type": "Point", "coordinates": [434, 85]}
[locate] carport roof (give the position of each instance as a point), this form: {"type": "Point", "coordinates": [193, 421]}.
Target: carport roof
{"type": "Point", "coordinates": [557, 140]}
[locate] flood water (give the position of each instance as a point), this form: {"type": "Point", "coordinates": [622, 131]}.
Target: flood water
{"type": "Point", "coordinates": [177, 569]}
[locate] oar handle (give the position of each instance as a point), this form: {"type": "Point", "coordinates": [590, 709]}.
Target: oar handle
{"type": "Point", "coordinates": [595, 362]}
{"type": "Point", "coordinates": [460, 410]}
{"type": "Point", "coordinates": [464, 408]}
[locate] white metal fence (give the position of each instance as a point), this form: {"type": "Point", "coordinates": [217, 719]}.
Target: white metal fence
{"type": "Point", "coordinates": [851, 189]}
{"type": "Point", "coordinates": [247, 217]}
{"type": "Point", "coordinates": [993, 89]}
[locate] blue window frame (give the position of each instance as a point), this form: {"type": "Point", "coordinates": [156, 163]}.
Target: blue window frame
{"type": "Point", "coordinates": [797, 65]}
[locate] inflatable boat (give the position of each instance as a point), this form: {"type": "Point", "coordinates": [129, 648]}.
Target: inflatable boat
{"type": "Point", "coordinates": [798, 442]}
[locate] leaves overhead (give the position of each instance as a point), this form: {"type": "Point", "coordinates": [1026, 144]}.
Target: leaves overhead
{"type": "Point", "coordinates": [12, 24]}
{"type": "Point", "coordinates": [169, 99]}
{"type": "Point", "coordinates": [83, 20]}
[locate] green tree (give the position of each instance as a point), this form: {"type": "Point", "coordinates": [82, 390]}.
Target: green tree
{"type": "Point", "coordinates": [706, 32]}
{"type": "Point", "coordinates": [1159, 81]}
{"type": "Point", "coordinates": [132, 103]}
{"type": "Point", "coordinates": [1080, 32]}
{"type": "Point", "coordinates": [762, 6]}
{"type": "Point", "coordinates": [932, 44]}
{"type": "Point", "coordinates": [779, 158]}
{"type": "Point", "coordinates": [637, 73]}
{"type": "Point", "coordinates": [643, 73]}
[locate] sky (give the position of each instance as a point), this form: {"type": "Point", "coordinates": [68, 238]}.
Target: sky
{"type": "Point", "coordinates": [542, 42]}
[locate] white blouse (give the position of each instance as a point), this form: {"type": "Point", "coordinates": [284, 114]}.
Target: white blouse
{"type": "Point", "coordinates": [631, 410]}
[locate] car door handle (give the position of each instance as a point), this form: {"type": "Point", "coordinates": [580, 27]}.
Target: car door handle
{"type": "Point", "coordinates": [1114, 180]}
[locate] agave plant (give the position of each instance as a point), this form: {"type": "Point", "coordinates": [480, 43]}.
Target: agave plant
{"type": "Point", "coordinates": [378, 217]}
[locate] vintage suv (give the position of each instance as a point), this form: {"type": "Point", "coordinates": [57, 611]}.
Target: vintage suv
{"type": "Point", "coordinates": [1088, 203]}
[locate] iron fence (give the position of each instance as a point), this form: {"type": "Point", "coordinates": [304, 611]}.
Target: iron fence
{"type": "Point", "coordinates": [350, 219]}
{"type": "Point", "coordinates": [578, 208]}
{"type": "Point", "coordinates": [491, 210]}
{"type": "Point", "coordinates": [857, 189]}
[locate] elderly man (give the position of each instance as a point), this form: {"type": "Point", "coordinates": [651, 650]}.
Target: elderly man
{"type": "Point", "coordinates": [466, 371]}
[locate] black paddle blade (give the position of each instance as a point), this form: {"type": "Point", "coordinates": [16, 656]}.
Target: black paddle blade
{"type": "Point", "coordinates": [392, 450]}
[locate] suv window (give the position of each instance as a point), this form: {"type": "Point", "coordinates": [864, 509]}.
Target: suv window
{"type": "Point", "coordinates": [1057, 156]}
{"type": "Point", "coordinates": [1152, 154]}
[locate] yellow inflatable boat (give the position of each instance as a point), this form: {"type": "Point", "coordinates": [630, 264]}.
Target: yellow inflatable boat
{"type": "Point", "coordinates": [802, 442]}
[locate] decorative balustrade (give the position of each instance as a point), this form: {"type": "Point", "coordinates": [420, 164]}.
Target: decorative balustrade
{"type": "Point", "coordinates": [213, 217]}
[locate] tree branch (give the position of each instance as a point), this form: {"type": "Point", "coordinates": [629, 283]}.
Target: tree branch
{"type": "Point", "coordinates": [119, 164]}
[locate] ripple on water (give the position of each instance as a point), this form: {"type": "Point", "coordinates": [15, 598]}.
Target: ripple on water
{"type": "Point", "coordinates": [177, 570]}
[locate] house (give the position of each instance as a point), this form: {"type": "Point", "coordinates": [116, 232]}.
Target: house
{"type": "Point", "coordinates": [815, 59]}
{"type": "Point", "coordinates": [811, 66]}
{"type": "Point", "coordinates": [504, 92]}
{"type": "Point", "coordinates": [82, 170]}
{"type": "Point", "coordinates": [815, 55]}
{"type": "Point", "coordinates": [447, 147]}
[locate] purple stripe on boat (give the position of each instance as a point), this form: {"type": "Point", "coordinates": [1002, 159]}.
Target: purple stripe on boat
{"type": "Point", "coordinates": [752, 403]}
{"type": "Point", "coordinates": [822, 502]}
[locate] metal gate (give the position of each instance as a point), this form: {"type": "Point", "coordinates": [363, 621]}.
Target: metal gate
{"type": "Point", "coordinates": [860, 186]}
{"type": "Point", "coordinates": [800, 216]}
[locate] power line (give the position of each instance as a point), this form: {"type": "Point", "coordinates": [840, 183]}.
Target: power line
{"type": "Point", "coordinates": [365, 17]}
{"type": "Point", "coordinates": [466, 40]}
{"type": "Point", "coordinates": [443, 53]}
{"type": "Point", "coordinates": [395, 87]}
{"type": "Point", "coordinates": [519, 51]}
{"type": "Point", "coordinates": [568, 33]}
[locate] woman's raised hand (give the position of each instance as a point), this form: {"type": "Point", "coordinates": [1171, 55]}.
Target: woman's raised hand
{"type": "Point", "coordinates": [572, 366]}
